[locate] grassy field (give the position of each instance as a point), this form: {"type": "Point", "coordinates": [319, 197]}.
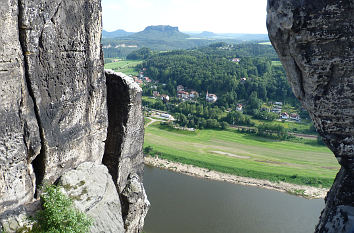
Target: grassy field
{"type": "Point", "coordinates": [245, 155]}
{"type": "Point", "coordinates": [291, 126]}
{"type": "Point", "coordinates": [276, 63]}
{"type": "Point", "coordinates": [265, 43]}
{"type": "Point", "coordinates": [124, 66]}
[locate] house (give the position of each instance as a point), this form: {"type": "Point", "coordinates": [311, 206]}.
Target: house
{"type": "Point", "coordinates": [180, 88]}
{"type": "Point", "coordinates": [243, 79]}
{"type": "Point", "coordinates": [182, 94]}
{"type": "Point", "coordinates": [165, 98]}
{"type": "Point", "coordinates": [147, 79]}
{"type": "Point", "coordinates": [137, 80]}
{"type": "Point", "coordinates": [166, 116]}
{"type": "Point", "coordinates": [239, 107]}
{"type": "Point", "coordinates": [211, 98]}
{"type": "Point", "coordinates": [236, 60]}
{"type": "Point", "coordinates": [156, 93]}
{"type": "Point", "coordinates": [278, 103]}
{"type": "Point", "coordinates": [294, 116]}
{"type": "Point", "coordinates": [284, 115]}
{"type": "Point", "coordinates": [193, 94]}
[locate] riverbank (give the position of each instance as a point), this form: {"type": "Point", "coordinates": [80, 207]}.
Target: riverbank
{"type": "Point", "coordinates": [300, 190]}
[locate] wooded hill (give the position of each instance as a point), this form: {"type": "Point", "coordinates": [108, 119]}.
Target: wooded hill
{"type": "Point", "coordinates": [164, 38]}
{"type": "Point", "coordinates": [212, 69]}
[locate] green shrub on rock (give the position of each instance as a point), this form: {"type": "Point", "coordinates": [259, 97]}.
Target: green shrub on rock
{"type": "Point", "coordinates": [58, 214]}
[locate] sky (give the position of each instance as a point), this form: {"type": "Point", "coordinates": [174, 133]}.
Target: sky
{"type": "Point", "coordinates": [219, 16]}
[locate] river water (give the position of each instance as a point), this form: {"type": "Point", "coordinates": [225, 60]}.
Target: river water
{"type": "Point", "coordinates": [185, 204]}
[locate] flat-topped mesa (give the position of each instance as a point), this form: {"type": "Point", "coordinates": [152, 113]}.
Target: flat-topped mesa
{"type": "Point", "coordinates": [315, 41]}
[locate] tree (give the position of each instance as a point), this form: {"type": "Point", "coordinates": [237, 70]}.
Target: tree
{"type": "Point", "coordinates": [147, 150]}
{"type": "Point", "coordinates": [224, 125]}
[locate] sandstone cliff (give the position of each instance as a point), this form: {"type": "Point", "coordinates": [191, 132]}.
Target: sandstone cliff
{"type": "Point", "coordinates": [53, 106]}
{"type": "Point", "coordinates": [315, 41]}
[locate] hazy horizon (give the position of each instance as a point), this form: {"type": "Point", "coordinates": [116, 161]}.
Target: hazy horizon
{"type": "Point", "coordinates": [193, 31]}
{"type": "Point", "coordinates": [223, 16]}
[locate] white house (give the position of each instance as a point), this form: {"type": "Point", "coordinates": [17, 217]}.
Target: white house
{"type": "Point", "coordinates": [294, 116]}
{"type": "Point", "coordinates": [239, 107]}
{"type": "Point", "coordinates": [180, 88]}
{"type": "Point", "coordinates": [211, 98]}
{"type": "Point", "coordinates": [193, 94]}
{"type": "Point", "coordinates": [236, 60]}
{"type": "Point", "coordinates": [165, 97]}
{"type": "Point", "coordinates": [284, 115]}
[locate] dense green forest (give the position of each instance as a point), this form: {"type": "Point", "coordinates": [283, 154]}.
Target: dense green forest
{"type": "Point", "coordinates": [253, 80]}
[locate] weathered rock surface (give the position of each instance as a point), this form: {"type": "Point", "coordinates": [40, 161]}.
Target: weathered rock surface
{"type": "Point", "coordinates": [53, 105]}
{"type": "Point", "coordinates": [64, 71]}
{"type": "Point", "coordinates": [19, 133]}
{"type": "Point", "coordinates": [93, 191]}
{"type": "Point", "coordinates": [124, 153]}
{"type": "Point", "coordinates": [53, 111]}
{"type": "Point", "coordinates": [315, 43]}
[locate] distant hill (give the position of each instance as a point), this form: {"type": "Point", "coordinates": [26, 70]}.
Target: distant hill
{"type": "Point", "coordinates": [206, 34]}
{"type": "Point", "coordinates": [160, 32]}
{"type": "Point", "coordinates": [246, 37]}
{"type": "Point", "coordinates": [232, 36]}
{"type": "Point", "coordinates": [114, 34]}
{"type": "Point", "coordinates": [165, 38]}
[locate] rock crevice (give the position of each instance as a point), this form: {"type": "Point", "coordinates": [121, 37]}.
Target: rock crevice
{"type": "Point", "coordinates": [37, 157]}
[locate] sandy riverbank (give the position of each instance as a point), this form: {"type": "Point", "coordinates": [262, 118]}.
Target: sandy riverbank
{"type": "Point", "coordinates": [301, 190]}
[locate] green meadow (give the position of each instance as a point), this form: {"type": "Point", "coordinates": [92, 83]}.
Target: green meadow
{"type": "Point", "coordinates": [246, 155]}
{"type": "Point", "coordinates": [124, 66]}
{"type": "Point", "coordinates": [276, 63]}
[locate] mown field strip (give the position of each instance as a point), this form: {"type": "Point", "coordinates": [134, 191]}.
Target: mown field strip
{"type": "Point", "coordinates": [253, 156]}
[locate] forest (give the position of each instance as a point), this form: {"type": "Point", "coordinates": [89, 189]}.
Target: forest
{"type": "Point", "coordinates": [254, 79]}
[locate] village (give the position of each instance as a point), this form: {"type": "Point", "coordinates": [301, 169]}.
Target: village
{"type": "Point", "coordinates": [184, 94]}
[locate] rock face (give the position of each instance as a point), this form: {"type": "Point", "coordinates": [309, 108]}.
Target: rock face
{"type": "Point", "coordinates": [93, 191]}
{"type": "Point", "coordinates": [19, 131]}
{"type": "Point", "coordinates": [53, 108]}
{"type": "Point", "coordinates": [315, 42]}
{"type": "Point", "coordinates": [124, 153]}
{"type": "Point", "coordinates": [53, 104]}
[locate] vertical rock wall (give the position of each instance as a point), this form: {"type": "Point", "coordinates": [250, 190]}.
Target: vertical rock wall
{"type": "Point", "coordinates": [19, 131]}
{"type": "Point", "coordinates": [315, 42]}
{"type": "Point", "coordinates": [53, 103]}
{"type": "Point", "coordinates": [53, 111]}
{"type": "Point", "coordinates": [64, 72]}
{"type": "Point", "coordinates": [124, 152]}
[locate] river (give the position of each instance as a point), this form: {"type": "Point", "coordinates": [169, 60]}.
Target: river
{"type": "Point", "coordinates": [185, 204]}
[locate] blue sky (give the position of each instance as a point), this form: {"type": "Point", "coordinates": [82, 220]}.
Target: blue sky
{"type": "Point", "coordinates": [220, 16]}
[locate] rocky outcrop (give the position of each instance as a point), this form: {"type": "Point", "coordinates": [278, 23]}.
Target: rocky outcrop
{"type": "Point", "coordinates": [93, 191]}
{"type": "Point", "coordinates": [53, 108]}
{"type": "Point", "coordinates": [124, 152]}
{"type": "Point", "coordinates": [53, 104]}
{"type": "Point", "coordinates": [19, 133]}
{"type": "Point", "coordinates": [315, 40]}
